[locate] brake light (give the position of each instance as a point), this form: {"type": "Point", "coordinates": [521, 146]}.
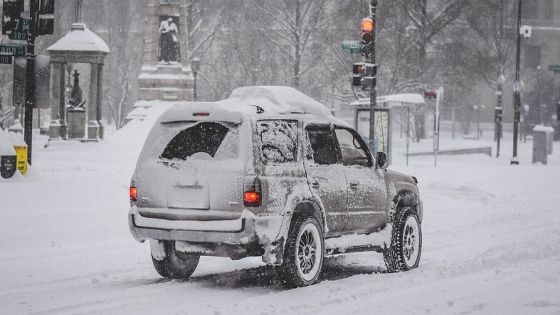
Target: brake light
{"type": "Point", "coordinates": [133, 193]}
{"type": "Point", "coordinates": [201, 114]}
{"type": "Point", "coordinates": [252, 196]}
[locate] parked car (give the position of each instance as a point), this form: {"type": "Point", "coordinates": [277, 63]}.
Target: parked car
{"type": "Point", "coordinates": [268, 172]}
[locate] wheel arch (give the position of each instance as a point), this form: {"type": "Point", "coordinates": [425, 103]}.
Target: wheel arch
{"type": "Point", "coordinates": [406, 198]}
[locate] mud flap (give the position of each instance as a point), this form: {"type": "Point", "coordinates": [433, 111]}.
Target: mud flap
{"type": "Point", "coordinates": [274, 252]}
{"type": "Point", "coordinates": [158, 250]}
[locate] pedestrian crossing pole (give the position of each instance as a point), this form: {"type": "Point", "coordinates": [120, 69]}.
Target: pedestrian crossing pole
{"type": "Point", "coordinates": [373, 91]}
{"type": "Point", "coordinates": [30, 77]}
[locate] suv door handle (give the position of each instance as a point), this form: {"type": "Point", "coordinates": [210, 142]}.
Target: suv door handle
{"type": "Point", "coordinates": [315, 184]}
{"type": "Point", "coordinates": [354, 185]}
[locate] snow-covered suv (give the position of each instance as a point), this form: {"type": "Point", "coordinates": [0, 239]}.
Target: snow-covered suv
{"type": "Point", "coordinates": [268, 172]}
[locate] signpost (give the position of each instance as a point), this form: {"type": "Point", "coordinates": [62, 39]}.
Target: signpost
{"type": "Point", "coordinates": [6, 59]}
{"type": "Point", "coordinates": [554, 68]}
{"type": "Point", "coordinates": [21, 30]}
{"type": "Point", "coordinates": [352, 46]}
{"type": "Point", "coordinates": [11, 49]}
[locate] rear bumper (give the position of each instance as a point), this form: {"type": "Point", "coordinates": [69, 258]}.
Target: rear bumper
{"type": "Point", "coordinates": [247, 229]}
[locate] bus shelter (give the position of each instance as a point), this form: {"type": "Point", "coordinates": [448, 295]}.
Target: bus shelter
{"type": "Point", "coordinates": [397, 112]}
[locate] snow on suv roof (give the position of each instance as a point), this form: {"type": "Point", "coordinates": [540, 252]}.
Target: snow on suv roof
{"type": "Point", "coordinates": [251, 102]}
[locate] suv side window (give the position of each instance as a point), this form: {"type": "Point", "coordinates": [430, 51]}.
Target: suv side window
{"type": "Point", "coordinates": [352, 148]}
{"type": "Point", "coordinates": [278, 141]}
{"type": "Point", "coordinates": [323, 145]}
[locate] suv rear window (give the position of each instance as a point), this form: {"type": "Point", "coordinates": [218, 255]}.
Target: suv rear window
{"type": "Point", "coordinates": [277, 141]}
{"type": "Point", "coordinates": [204, 140]}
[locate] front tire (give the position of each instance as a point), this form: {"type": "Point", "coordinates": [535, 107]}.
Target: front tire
{"type": "Point", "coordinates": [175, 265]}
{"type": "Point", "coordinates": [406, 242]}
{"type": "Point", "coordinates": [304, 253]}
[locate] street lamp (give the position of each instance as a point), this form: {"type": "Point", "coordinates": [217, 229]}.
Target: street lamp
{"type": "Point", "coordinates": [195, 65]}
{"type": "Point", "coordinates": [498, 116]}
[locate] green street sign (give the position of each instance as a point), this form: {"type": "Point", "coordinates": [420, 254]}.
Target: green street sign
{"type": "Point", "coordinates": [6, 59]}
{"type": "Point", "coordinates": [21, 29]}
{"type": "Point", "coordinates": [554, 68]}
{"type": "Point", "coordinates": [15, 50]}
{"type": "Point", "coordinates": [352, 46]}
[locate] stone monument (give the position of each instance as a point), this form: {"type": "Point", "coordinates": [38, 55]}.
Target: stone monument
{"type": "Point", "coordinates": [79, 46]}
{"type": "Point", "coordinates": [166, 74]}
{"type": "Point", "coordinates": [76, 111]}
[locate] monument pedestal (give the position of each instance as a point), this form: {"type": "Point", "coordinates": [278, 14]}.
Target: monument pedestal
{"type": "Point", "coordinates": [76, 123]}
{"type": "Point", "coordinates": [166, 74]}
{"type": "Point", "coordinates": [165, 82]}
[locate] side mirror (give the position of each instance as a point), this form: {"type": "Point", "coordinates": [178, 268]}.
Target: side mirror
{"type": "Point", "coordinates": [381, 160]}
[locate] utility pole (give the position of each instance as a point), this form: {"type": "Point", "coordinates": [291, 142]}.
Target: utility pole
{"type": "Point", "coordinates": [517, 88]}
{"type": "Point", "coordinates": [373, 91]}
{"type": "Point", "coordinates": [30, 78]}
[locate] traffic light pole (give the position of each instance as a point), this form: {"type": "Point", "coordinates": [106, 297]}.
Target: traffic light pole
{"type": "Point", "coordinates": [517, 88]}
{"type": "Point", "coordinates": [30, 78]}
{"type": "Point", "coordinates": [373, 92]}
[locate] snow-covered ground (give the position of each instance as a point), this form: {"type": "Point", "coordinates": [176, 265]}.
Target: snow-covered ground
{"type": "Point", "coordinates": [491, 244]}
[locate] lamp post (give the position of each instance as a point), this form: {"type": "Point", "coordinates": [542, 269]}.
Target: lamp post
{"type": "Point", "coordinates": [499, 114]}
{"type": "Point", "coordinates": [517, 88]}
{"type": "Point", "coordinates": [195, 65]}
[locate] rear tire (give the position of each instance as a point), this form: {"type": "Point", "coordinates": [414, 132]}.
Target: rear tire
{"type": "Point", "coordinates": [304, 253]}
{"type": "Point", "coordinates": [406, 242]}
{"type": "Point", "coordinates": [175, 265]}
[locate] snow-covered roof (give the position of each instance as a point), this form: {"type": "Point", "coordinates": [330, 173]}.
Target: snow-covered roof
{"type": "Point", "coordinates": [261, 101]}
{"type": "Point", "coordinates": [394, 100]}
{"type": "Point", "coordinates": [541, 128]}
{"type": "Point", "coordinates": [80, 38]}
{"type": "Point", "coordinates": [277, 99]}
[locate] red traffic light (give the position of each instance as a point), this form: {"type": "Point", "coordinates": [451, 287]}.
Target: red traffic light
{"type": "Point", "coordinates": [358, 68]}
{"type": "Point", "coordinates": [430, 95]}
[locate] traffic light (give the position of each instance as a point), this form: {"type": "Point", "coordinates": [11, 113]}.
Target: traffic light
{"type": "Point", "coordinates": [364, 75]}
{"type": "Point", "coordinates": [430, 95]}
{"type": "Point", "coordinates": [11, 15]}
{"type": "Point", "coordinates": [357, 73]}
{"type": "Point", "coordinates": [368, 29]}
{"type": "Point", "coordinates": [46, 17]}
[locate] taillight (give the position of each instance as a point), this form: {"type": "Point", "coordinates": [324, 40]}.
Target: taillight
{"type": "Point", "coordinates": [252, 196]}
{"type": "Point", "coordinates": [133, 193]}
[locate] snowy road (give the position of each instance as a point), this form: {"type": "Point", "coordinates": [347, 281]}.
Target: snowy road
{"type": "Point", "coordinates": [491, 246]}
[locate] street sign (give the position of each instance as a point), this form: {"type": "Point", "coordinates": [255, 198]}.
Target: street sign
{"type": "Point", "coordinates": [15, 50]}
{"type": "Point", "coordinates": [6, 59]}
{"type": "Point", "coordinates": [21, 29]}
{"type": "Point", "coordinates": [352, 46]}
{"type": "Point", "coordinates": [11, 12]}
{"type": "Point", "coordinates": [554, 68]}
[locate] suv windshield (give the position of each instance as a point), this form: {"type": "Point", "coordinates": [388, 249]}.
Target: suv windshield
{"type": "Point", "coordinates": [277, 140]}
{"type": "Point", "coordinates": [206, 140]}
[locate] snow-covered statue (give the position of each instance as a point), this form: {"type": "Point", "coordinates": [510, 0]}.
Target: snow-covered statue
{"type": "Point", "coordinates": [169, 42]}
{"type": "Point", "coordinates": [76, 93]}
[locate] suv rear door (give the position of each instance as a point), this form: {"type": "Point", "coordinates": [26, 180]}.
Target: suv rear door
{"type": "Point", "coordinates": [326, 176]}
{"type": "Point", "coordinates": [367, 192]}
{"type": "Point", "coordinates": [192, 170]}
